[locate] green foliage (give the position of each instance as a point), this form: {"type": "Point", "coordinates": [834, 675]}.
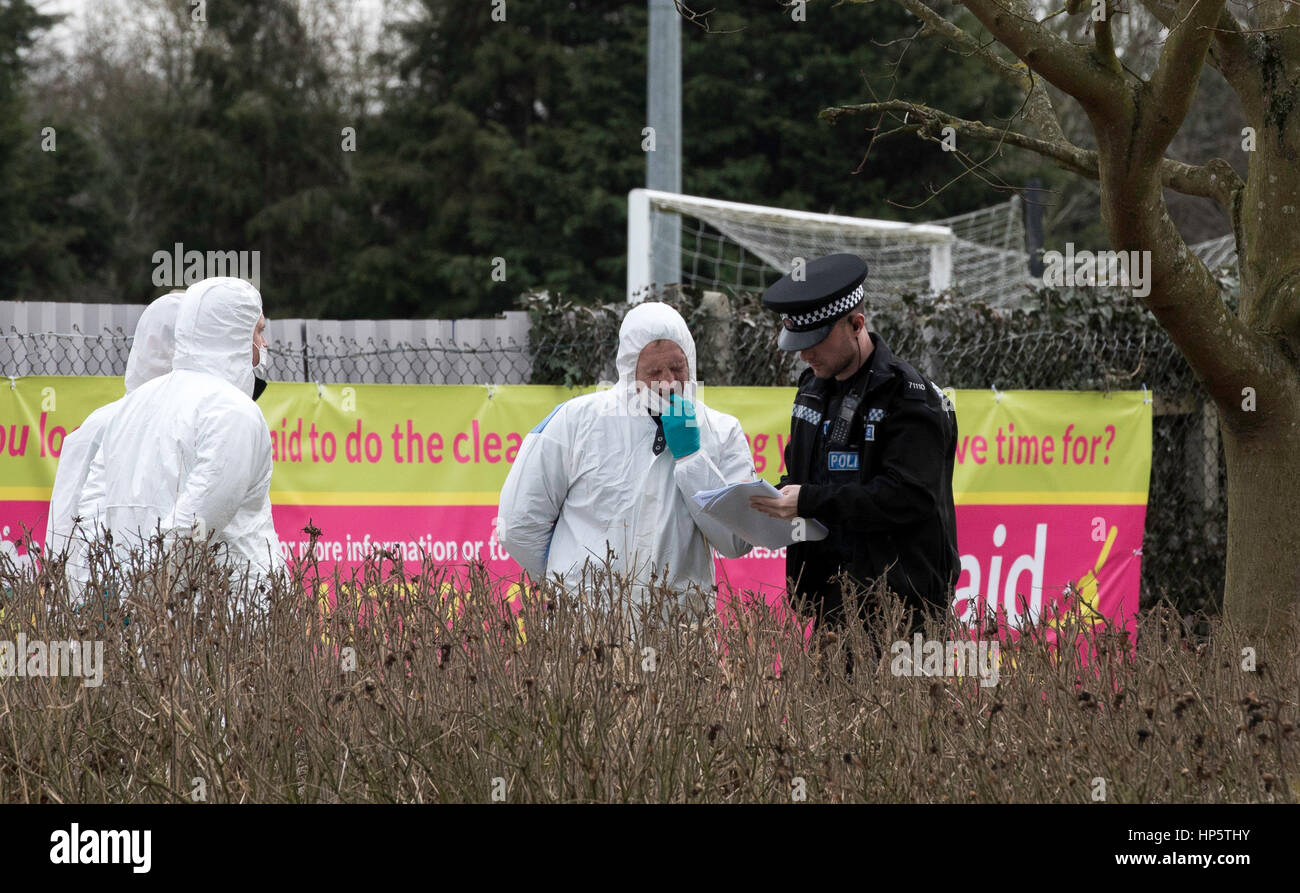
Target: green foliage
{"type": "Point", "coordinates": [55, 225]}
{"type": "Point", "coordinates": [251, 158]}
{"type": "Point", "coordinates": [752, 96]}
{"type": "Point", "coordinates": [571, 344]}
{"type": "Point", "coordinates": [574, 340]}
{"type": "Point", "coordinates": [516, 140]}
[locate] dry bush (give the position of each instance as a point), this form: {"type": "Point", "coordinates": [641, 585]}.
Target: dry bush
{"type": "Point", "coordinates": [446, 697]}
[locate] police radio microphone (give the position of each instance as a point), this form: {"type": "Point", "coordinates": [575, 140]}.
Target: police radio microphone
{"type": "Point", "coordinates": [848, 408]}
{"type": "Point", "coordinates": [849, 405]}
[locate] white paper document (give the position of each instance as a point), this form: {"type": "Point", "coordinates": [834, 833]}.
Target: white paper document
{"type": "Point", "coordinates": [730, 505]}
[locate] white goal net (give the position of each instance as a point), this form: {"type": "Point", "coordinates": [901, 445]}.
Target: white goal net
{"type": "Point", "coordinates": [729, 246]}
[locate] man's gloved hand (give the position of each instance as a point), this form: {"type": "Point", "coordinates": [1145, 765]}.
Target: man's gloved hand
{"type": "Point", "coordinates": [680, 427]}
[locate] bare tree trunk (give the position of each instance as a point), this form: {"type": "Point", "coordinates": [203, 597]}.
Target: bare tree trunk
{"type": "Point", "coordinates": [1262, 435]}
{"type": "Point", "coordinates": [1263, 573]}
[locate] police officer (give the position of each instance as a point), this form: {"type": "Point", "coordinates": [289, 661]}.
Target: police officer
{"type": "Point", "coordinates": [871, 450]}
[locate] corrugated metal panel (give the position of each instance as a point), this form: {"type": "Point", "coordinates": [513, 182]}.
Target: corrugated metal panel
{"type": "Point", "coordinates": [58, 338]}
{"type": "Point", "coordinates": [495, 349]}
{"type": "Point", "coordinates": [286, 339]}
{"type": "Point", "coordinates": [39, 317]}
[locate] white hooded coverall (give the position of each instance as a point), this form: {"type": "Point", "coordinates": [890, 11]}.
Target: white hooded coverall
{"type": "Point", "coordinates": [150, 357]}
{"type": "Point", "coordinates": [190, 451]}
{"type": "Point", "coordinates": [586, 478]}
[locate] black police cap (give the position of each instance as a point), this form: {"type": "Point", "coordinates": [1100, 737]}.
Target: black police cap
{"type": "Point", "coordinates": [828, 289]}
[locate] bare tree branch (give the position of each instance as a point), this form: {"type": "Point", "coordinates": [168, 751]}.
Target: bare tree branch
{"type": "Point", "coordinates": [1039, 111]}
{"type": "Point", "coordinates": [1172, 86]}
{"type": "Point", "coordinates": [700, 19]}
{"type": "Point", "coordinates": [1229, 53]}
{"type": "Point", "coordinates": [1104, 41]}
{"type": "Point", "coordinates": [1129, 164]}
{"type": "Point", "coordinates": [1214, 180]}
{"type": "Point", "coordinates": [1071, 68]}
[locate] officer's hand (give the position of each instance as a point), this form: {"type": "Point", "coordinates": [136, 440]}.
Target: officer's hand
{"type": "Point", "coordinates": [681, 429]}
{"type": "Point", "coordinates": [785, 506]}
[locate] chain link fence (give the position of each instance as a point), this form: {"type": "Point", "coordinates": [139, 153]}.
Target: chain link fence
{"type": "Point", "coordinates": [1183, 552]}
{"type": "Point", "coordinates": [1186, 526]}
{"type": "Point", "coordinates": [326, 360]}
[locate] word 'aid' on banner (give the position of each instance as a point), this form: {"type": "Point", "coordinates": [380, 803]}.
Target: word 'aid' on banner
{"type": "Point", "coordinates": [1051, 491]}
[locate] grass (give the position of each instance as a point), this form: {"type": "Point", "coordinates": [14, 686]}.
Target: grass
{"type": "Point", "coordinates": [445, 697]}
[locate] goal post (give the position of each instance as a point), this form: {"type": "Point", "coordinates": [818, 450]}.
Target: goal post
{"type": "Point", "coordinates": [757, 243]}
{"type": "Point", "coordinates": [730, 246]}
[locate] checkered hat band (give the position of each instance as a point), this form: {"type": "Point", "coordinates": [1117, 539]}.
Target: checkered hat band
{"type": "Point", "coordinates": [835, 308]}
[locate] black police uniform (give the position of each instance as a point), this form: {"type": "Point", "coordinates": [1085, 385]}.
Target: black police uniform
{"type": "Point", "coordinates": [873, 456]}
{"type": "Point", "coordinates": [884, 491]}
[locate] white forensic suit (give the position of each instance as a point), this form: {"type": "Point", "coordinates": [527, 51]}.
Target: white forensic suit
{"type": "Point", "coordinates": [150, 357]}
{"type": "Point", "coordinates": [587, 479]}
{"type": "Point", "coordinates": [190, 452]}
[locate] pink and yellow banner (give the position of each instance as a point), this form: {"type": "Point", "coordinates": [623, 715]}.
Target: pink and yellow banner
{"type": "Point", "coordinates": [1050, 486]}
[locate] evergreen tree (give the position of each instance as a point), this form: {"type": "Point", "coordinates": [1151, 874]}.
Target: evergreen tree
{"type": "Point", "coordinates": [55, 226]}
{"type": "Point", "coordinates": [245, 153]}
{"type": "Point", "coordinates": [521, 139]}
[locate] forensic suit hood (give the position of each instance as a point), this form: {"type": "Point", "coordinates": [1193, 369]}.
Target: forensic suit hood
{"type": "Point", "coordinates": [646, 323]}
{"type": "Point", "coordinates": [214, 333]}
{"type": "Point", "coordinates": [190, 452]}
{"type": "Point", "coordinates": [151, 355]}
{"type": "Point", "coordinates": [588, 481]}
{"type": "Point", "coordinates": [154, 347]}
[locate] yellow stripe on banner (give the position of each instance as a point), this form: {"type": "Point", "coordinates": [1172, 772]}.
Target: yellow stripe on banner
{"type": "Point", "coordinates": [382, 497]}
{"type": "Point", "coordinates": [489, 497]}
{"type": "Point", "coordinates": [1042, 497]}
{"type": "Point", "coordinates": [35, 494]}
{"type": "Point", "coordinates": [290, 497]}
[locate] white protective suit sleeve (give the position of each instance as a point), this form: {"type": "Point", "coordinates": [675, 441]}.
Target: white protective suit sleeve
{"type": "Point", "coordinates": [75, 458]}
{"type": "Point", "coordinates": [90, 509]}
{"type": "Point", "coordinates": [698, 472]}
{"type": "Point", "coordinates": [90, 505]}
{"type": "Point", "coordinates": [533, 496]}
{"type": "Point", "coordinates": [227, 468]}
{"type": "Point", "coordinates": [89, 529]}
{"type": "Point", "coordinates": [251, 534]}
